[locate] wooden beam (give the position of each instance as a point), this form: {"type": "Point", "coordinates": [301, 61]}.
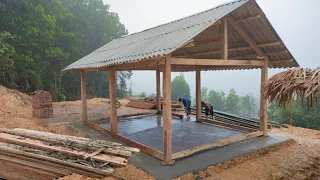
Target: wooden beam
{"type": "Point", "coordinates": [237, 48]}
{"type": "Point", "coordinates": [224, 124]}
{"type": "Point", "coordinates": [282, 61]}
{"type": "Point", "coordinates": [207, 40]}
{"type": "Point", "coordinates": [225, 41]}
{"type": "Point", "coordinates": [255, 56]}
{"type": "Point", "coordinates": [248, 18]}
{"type": "Point", "coordinates": [49, 163]}
{"type": "Point", "coordinates": [215, 62]}
{"type": "Point", "coordinates": [263, 100]}
{"type": "Point", "coordinates": [113, 100]}
{"type": "Point", "coordinates": [129, 142]}
{"type": "Point", "coordinates": [184, 52]}
{"type": "Point", "coordinates": [244, 35]}
{"type": "Point", "coordinates": [19, 140]}
{"type": "Point", "coordinates": [83, 96]}
{"type": "Point", "coordinates": [198, 96]}
{"type": "Point", "coordinates": [258, 16]}
{"type": "Point", "coordinates": [188, 152]}
{"type": "Point", "coordinates": [150, 64]}
{"type": "Point", "coordinates": [188, 44]}
{"type": "Point", "coordinates": [158, 91]}
{"type": "Point", "coordinates": [167, 117]}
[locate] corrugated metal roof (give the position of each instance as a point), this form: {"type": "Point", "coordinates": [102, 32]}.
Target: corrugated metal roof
{"type": "Point", "coordinates": [158, 41]}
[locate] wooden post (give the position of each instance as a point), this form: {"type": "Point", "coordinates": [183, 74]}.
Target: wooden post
{"type": "Point", "coordinates": [225, 39]}
{"type": "Point", "coordinates": [158, 92]}
{"type": "Point", "coordinates": [83, 96]}
{"type": "Point", "coordinates": [167, 117]}
{"type": "Point", "coordinates": [263, 100]}
{"type": "Point", "coordinates": [113, 108]}
{"type": "Point", "coordinates": [198, 96]}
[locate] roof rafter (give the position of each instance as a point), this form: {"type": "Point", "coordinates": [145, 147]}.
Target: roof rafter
{"type": "Point", "coordinates": [244, 35]}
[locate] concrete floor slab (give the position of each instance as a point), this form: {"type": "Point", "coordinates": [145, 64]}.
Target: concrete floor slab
{"type": "Point", "coordinates": [195, 162]}
{"type": "Point", "coordinates": [186, 133]}
{"type": "Point", "coordinates": [133, 124]}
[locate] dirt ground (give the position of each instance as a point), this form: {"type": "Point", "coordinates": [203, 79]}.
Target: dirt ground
{"type": "Point", "coordinates": [297, 160]}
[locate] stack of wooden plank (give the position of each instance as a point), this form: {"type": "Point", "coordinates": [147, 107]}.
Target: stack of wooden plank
{"type": "Point", "coordinates": [28, 154]}
{"type": "Point", "coordinates": [151, 103]}
{"type": "Point", "coordinates": [42, 104]}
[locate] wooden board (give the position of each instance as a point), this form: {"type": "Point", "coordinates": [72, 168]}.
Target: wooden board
{"type": "Point", "coordinates": [232, 126]}
{"type": "Point", "coordinates": [142, 104]}
{"type": "Point", "coordinates": [19, 140]}
{"type": "Point", "coordinates": [188, 152]}
{"type": "Point", "coordinates": [16, 162]}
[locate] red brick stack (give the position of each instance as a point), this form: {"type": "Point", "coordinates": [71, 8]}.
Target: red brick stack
{"type": "Point", "coordinates": [42, 104]}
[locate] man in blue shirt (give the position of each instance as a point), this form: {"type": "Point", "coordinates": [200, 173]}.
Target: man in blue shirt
{"type": "Point", "coordinates": [187, 103]}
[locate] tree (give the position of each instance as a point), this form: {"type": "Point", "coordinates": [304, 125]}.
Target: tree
{"type": "Point", "coordinates": [247, 105]}
{"type": "Point", "coordinates": [38, 38]}
{"type": "Point", "coordinates": [303, 116]}
{"type": "Point", "coordinates": [180, 88]}
{"type": "Point", "coordinates": [204, 93]}
{"type": "Point", "coordinates": [232, 102]}
{"type": "Point", "coordinates": [217, 99]}
{"type": "Point", "coordinates": [7, 53]}
{"type": "Point", "coordinates": [143, 95]}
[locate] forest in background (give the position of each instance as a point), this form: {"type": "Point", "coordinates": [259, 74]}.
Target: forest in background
{"type": "Point", "coordinates": [38, 38]}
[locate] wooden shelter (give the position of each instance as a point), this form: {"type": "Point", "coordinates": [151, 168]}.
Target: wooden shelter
{"type": "Point", "coordinates": [232, 36]}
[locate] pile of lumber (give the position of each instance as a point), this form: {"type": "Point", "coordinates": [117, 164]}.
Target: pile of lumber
{"type": "Point", "coordinates": [151, 103]}
{"type": "Point", "coordinates": [224, 118]}
{"type": "Point", "coordinates": [42, 104]}
{"type": "Point", "coordinates": [28, 154]}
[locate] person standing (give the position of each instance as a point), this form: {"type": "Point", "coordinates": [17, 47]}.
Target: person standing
{"type": "Point", "coordinates": [187, 103]}
{"type": "Point", "coordinates": [208, 108]}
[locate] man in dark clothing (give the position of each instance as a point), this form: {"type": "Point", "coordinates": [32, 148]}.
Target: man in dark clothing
{"type": "Point", "coordinates": [208, 108]}
{"type": "Point", "coordinates": [187, 103]}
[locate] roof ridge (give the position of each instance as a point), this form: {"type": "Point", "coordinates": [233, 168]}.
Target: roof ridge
{"type": "Point", "coordinates": [220, 5]}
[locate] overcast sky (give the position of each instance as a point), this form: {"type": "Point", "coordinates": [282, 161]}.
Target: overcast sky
{"type": "Point", "coordinates": [295, 21]}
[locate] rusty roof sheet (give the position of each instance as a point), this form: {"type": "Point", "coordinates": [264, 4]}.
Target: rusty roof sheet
{"type": "Point", "coordinates": [155, 42]}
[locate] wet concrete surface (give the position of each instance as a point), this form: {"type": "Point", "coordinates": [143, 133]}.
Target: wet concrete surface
{"type": "Point", "coordinates": [193, 163]}
{"type": "Point", "coordinates": [135, 124]}
{"type": "Point", "coordinates": [186, 133]}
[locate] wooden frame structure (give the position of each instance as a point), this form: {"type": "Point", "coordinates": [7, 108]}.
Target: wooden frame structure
{"type": "Point", "coordinates": [166, 65]}
{"type": "Point", "coordinates": [231, 43]}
